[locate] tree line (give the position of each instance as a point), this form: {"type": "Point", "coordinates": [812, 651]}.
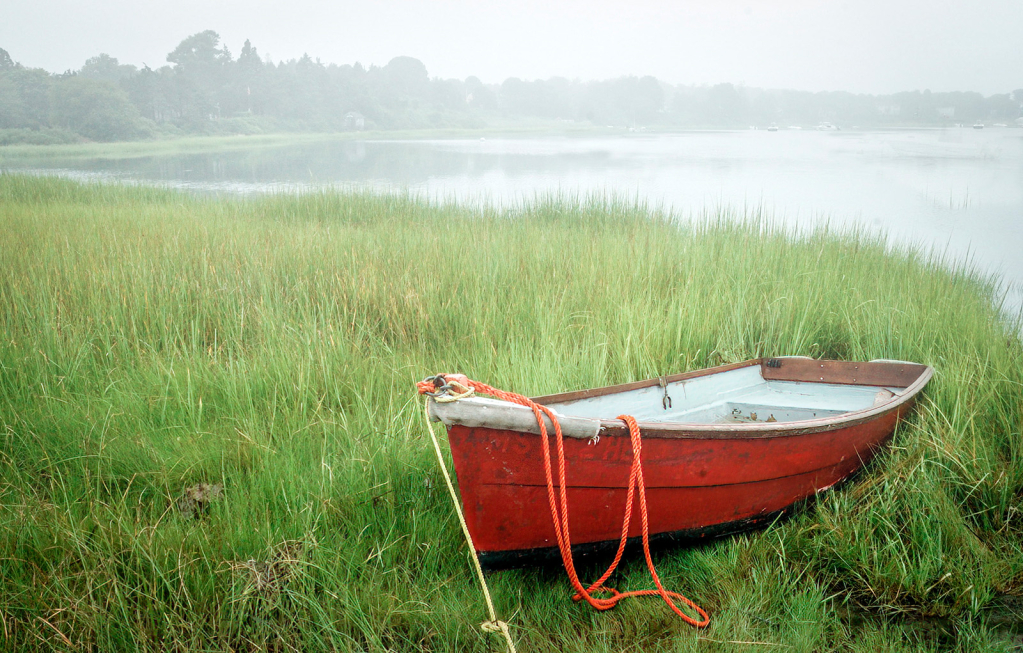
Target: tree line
{"type": "Point", "coordinates": [204, 89]}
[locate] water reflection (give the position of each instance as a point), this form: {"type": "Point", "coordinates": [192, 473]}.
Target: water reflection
{"type": "Point", "coordinates": [953, 190]}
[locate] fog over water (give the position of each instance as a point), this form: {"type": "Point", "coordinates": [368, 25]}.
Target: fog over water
{"type": "Point", "coordinates": [957, 192]}
{"type": "Point", "coordinates": [890, 66]}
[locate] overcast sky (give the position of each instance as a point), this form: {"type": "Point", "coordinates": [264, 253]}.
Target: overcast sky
{"type": "Point", "coordinates": [869, 46]}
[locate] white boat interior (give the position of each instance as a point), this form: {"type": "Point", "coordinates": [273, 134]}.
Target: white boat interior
{"type": "Point", "coordinates": [736, 396]}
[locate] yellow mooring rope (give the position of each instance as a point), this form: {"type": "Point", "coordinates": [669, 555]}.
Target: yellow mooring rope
{"type": "Point", "coordinates": [493, 625]}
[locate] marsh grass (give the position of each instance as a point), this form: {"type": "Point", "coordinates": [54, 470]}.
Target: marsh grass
{"type": "Point", "coordinates": [153, 341]}
{"type": "Point", "coordinates": [52, 148]}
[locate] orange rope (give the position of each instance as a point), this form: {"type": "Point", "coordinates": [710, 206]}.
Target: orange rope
{"type": "Point", "coordinates": [559, 504]}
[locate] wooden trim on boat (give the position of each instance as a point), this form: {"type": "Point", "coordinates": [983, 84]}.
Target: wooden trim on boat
{"type": "Point", "coordinates": [895, 374]}
{"type": "Point", "coordinates": [912, 377]}
{"type": "Point", "coordinates": [565, 397]}
{"type": "Point", "coordinates": [779, 429]}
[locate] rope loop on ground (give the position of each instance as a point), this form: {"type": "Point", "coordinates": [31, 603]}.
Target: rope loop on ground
{"type": "Point", "coordinates": [441, 386]}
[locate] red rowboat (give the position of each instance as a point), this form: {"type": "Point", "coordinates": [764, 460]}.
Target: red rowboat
{"type": "Point", "coordinates": [724, 449]}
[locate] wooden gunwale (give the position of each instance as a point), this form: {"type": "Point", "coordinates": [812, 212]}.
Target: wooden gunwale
{"type": "Point", "coordinates": [615, 427]}
{"type": "Point", "coordinates": [575, 395]}
{"type": "Point", "coordinates": [678, 430]}
{"type": "Point", "coordinates": [833, 369]}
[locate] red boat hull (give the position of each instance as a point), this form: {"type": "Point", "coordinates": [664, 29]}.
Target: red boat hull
{"type": "Point", "coordinates": [697, 484]}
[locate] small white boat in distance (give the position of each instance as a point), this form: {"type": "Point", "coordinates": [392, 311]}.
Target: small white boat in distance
{"type": "Point", "coordinates": [978, 125]}
{"type": "Point", "coordinates": [826, 127]}
{"type": "Point", "coordinates": [772, 127]}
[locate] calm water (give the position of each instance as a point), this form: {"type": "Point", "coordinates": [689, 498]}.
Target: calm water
{"type": "Point", "coordinates": [956, 190]}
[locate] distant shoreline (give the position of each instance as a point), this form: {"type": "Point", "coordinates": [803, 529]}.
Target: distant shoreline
{"type": "Point", "coordinates": [236, 142]}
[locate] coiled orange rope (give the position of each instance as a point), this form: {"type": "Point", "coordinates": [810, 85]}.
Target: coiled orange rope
{"type": "Point", "coordinates": [465, 387]}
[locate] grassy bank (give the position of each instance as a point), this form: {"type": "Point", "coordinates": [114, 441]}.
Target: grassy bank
{"type": "Point", "coordinates": [13, 154]}
{"type": "Point", "coordinates": [59, 146]}
{"type": "Point", "coordinates": [154, 341]}
{"type": "Point", "coordinates": [18, 154]}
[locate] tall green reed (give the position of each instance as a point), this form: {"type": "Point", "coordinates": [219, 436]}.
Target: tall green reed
{"type": "Point", "coordinates": [153, 340]}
